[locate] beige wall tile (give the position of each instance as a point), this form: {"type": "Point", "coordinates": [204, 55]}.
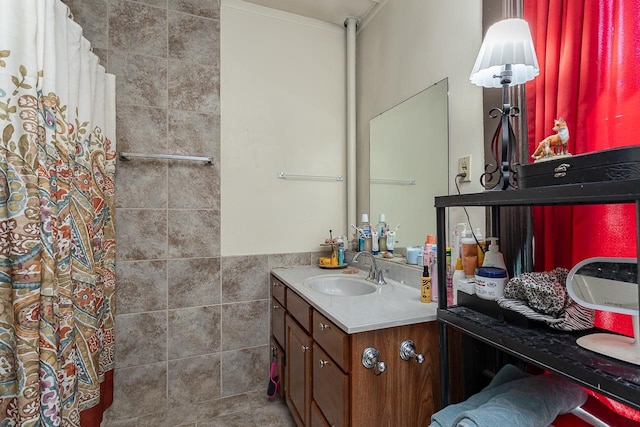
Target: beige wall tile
{"type": "Point", "coordinates": [245, 324]}
{"type": "Point", "coordinates": [194, 184]}
{"type": "Point", "coordinates": [141, 234]}
{"type": "Point", "coordinates": [140, 80]}
{"type": "Point", "coordinates": [194, 134]}
{"type": "Point", "coordinates": [204, 8]}
{"type": "Point", "coordinates": [141, 183]}
{"type": "Point", "coordinates": [141, 286]}
{"type": "Point", "coordinates": [194, 331]}
{"type": "Point", "coordinates": [142, 338]}
{"type": "Point", "coordinates": [141, 129]}
{"type": "Point", "coordinates": [194, 282]}
{"type": "Point", "coordinates": [134, 27]}
{"type": "Point", "coordinates": [194, 39]}
{"type": "Point", "coordinates": [194, 233]}
{"type": "Point", "coordinates": [139, 390]}
{"type": "Point", "coordinates": [194, 379]}
{"type": "Point", "coordinates": [245, 278]}
{"type": "Point", "coordinates": [245, 370]}
{"type": "Point", "coordinates": [193, 87]}
{"type": "Point", "coordinates": [289, 260]}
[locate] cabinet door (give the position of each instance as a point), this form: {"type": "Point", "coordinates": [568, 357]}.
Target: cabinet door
{"type": "Point", "coordinates": [330, 388]}
{"type": "Point", "coordinates": [406, 394]}
{"type": "Point", "coordinates": [298, 372]}
{"type": "Point", "coordinates": [317, 419]}
{"type": "Point", "coordinates": [277, 321]}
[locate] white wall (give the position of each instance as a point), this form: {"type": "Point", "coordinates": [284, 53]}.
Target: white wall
{"type": "Point", "coordinates": [283, 109]}
{"type": "Point", "coordinates": [407, 46]}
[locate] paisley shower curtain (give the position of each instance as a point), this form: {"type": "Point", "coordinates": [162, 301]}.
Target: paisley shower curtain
{"type": "Point", "coordinates": [57, 235]}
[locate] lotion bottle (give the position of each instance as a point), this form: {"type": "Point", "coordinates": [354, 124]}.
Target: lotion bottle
{"type": "Point", "coordinates": [458, 275]}
{"type": "Point", "coordinates": [493, 257]}
{"type": "Point", "coordinates": [425, 288]}
{"type": "Point", "coordinates": [469, 254]}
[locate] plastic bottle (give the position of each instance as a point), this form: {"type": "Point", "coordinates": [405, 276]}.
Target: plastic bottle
{"type": "Point", "coordinates": [425, 285]}
{"type": "Point", "coordinates": [469, 254]}
{"type": "Point", "coordinates": [366, 232]}
{"type": "Point", "coordinates": [381, 227]}
{"type": "Point", "coordinates": [493, 257]}
{"type": "Point", "coordinates": [457, 276]}
{"type": "Point", "coordinates": [340, 251]}
{"type": "Point", "coordinates": [482, 246]}
{"type": "Point", "coordinates": [374, 241]}
{"type": "Point", "coordinates": [433, 268]}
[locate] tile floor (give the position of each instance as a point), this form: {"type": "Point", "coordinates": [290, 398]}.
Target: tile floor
{"type": "Point", "coordinates": [244, 410]}
{"type": "Point", "coordinates": [264, 413]}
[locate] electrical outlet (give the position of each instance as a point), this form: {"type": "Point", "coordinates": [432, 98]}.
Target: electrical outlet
{"type": "Point", "coordinates": [464, 165]}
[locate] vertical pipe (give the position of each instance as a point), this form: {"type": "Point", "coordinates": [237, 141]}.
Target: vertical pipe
{"type": "Point", "coordinates": [351, 24]}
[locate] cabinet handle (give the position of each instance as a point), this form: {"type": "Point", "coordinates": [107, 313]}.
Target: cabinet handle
{"type": "Point", "coordinates": [323, 363]}
{"type": "Point", "coordinates": [275, 307]}
{"type": "Point", "coordinates": [323, 326]}
{"type": "Point", "coordinates": [305, 348]}
{"type": "Point", "coordinates": [276, 284]}
{"type": "Point", "coordinates": [408, 350]}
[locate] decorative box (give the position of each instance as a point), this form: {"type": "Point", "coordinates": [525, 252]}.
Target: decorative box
{"type": "Point", "coordinates": [607, 165]}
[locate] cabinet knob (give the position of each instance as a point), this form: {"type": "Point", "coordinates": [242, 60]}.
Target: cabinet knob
{"type": "Point", "coordinates": [408, 351]}
{"type": "Point", "coordinates": [305, 348]}
{"type": "Point", "coordinates": [371, 360]}
{"type": "Point", "coordinates": [275, 307]}
{"type": "Point", "coordinates": [323, 363]}
{"type": "Point", "coordinates": [323, 326]}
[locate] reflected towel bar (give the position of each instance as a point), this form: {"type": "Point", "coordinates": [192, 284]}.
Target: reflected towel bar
{"type": "Point", "coordinates": [284, 175]}
{"type": "Point", "coordinates": [410, 181]}
{"type": "Point", "coordinates": [127, 156]}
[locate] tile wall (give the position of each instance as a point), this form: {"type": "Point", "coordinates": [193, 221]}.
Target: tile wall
{"type": "Point", "coordinates": [192, 327]}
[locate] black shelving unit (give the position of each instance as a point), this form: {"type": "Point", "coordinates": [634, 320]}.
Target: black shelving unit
{"type": "Point", "coordinates": [541, 346]}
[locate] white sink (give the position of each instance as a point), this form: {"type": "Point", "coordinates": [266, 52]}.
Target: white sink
{"type": "Point", "coordinates": [341, 285]}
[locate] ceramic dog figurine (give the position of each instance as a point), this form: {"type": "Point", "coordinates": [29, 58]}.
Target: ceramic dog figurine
{"type": "Point", "coordinates": [554, 145]}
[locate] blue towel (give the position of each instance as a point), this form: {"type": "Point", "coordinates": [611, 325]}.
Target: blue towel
{"type": "Point", "coordinates": [514, 398]}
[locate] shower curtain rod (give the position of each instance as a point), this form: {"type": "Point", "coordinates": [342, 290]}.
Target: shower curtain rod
{"type": "Point", "coordinates": [128, 156]}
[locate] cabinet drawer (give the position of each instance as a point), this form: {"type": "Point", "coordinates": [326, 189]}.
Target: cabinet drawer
{"type": "Point", "coordinates": [332, 339]}
{"type": "Point", "coordinates": [330, 388]}
{"type": "Point", "coordinates": [299, 309]}
{"type": "Point", "coordinates": [278, 291]}
{"type": "Point", "coordinates": [277, 321]}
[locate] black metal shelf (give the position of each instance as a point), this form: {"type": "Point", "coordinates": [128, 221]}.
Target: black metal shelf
{"type": "Point", "coordinates": [541, 346]}
{"type": "Point", "coordinates": [571, 194]}
{"type": "Point", "coordinates": [556, 351]}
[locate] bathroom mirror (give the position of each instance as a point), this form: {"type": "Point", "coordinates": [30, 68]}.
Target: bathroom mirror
{"type": "Point", "coordinates": [608, 284]}
{"type": "Point", "coordinates": [409, 163]}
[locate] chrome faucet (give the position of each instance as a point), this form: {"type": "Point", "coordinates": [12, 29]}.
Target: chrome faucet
{"type": "Point", "coordinates": [375, 273]}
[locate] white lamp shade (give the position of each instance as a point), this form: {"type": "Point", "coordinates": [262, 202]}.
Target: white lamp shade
{"type": "Point", "coordinates": [507, 42]}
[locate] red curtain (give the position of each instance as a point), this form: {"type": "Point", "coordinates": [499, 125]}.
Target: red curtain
{"type": "Point", "coordinates": [589, 56]}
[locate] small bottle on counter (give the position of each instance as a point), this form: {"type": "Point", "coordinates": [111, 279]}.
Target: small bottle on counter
{"type": "Point", "coordinates": [366, 232]}
{"type": "Point", "coordinates": [340, 251]}
{"type": "Point", "coordinates": [425, 288]}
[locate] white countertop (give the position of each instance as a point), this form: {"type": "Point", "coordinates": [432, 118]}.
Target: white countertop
{"type": "Point", "coordinates": [393, 304]}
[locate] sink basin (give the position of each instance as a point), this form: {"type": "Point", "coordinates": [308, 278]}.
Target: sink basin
{"type": "Point", "coordinates": [343, 286]}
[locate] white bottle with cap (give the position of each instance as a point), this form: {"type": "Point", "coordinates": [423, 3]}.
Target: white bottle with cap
{"type": "Point", "coordinates": [365, 233]}
{"type": "Point", "coordinates": [381, 228]}
{"type": "Point", "coordinates": [493, 257]}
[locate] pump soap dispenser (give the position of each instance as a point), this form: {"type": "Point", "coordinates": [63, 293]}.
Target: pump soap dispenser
{"type": "Point", "coordinates": [493, 257]}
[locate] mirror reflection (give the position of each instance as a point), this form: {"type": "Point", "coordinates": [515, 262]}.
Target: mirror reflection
{"type": "Point", "coordinates": [409, 149]}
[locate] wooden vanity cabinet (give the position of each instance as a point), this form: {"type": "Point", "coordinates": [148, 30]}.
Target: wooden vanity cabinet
{"type": "Point", "coordinates": [326, 383]}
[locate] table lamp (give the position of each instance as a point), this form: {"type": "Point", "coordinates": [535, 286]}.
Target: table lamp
{"type": "Point", "coordinates": [506, 58]}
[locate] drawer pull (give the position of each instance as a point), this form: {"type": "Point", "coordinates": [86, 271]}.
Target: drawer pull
{"type": "Point", "coordinates": [408, 351]}
{"type": "Point", "coordinates": [305, 348]}
{"type": "Point", "coordinates": [275, 307]}
{"type": "Point", "coordinates": [323, 326]}
{"type": "Point", "coordinates": [274, 283]}
{"type": "Point", "coordinates": [323, 363]}
{"type": "Point", "coordinates": [371, 360]}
